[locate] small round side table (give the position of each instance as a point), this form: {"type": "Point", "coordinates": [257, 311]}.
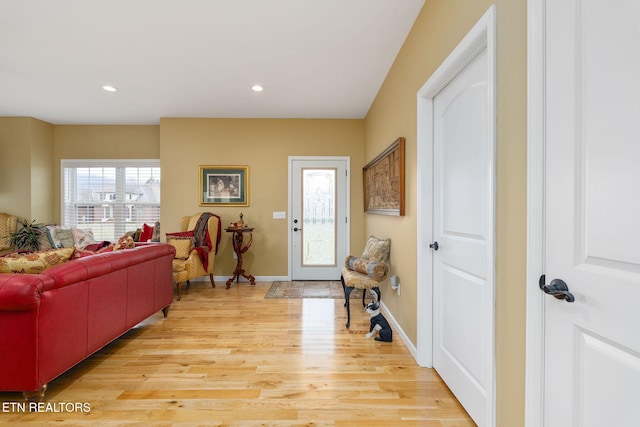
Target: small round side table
{"type": "Point", "coordinates": [239, 248]}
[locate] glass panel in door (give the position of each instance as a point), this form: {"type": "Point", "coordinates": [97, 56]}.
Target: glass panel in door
{"type": "Point", "coordinates": [318, 217]}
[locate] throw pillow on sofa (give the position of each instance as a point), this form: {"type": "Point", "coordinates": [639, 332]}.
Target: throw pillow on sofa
{"type": "Point", "coordinates": [125, 242]}
{"type": "Point", "coordinates": [22, 263]}
{"type": "Point", "coordinates": [34, 262]}
{"type": "Point", "coordinates": [65, 237]}
{"type": "Point", "coordinates": [51, 234]}
{"type": "Point", "coordinates": [82, 237]}
{"type": "Point", "coordinates": [147, 233]}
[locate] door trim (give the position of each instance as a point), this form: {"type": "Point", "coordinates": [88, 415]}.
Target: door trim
{"type": "Point", "coordinates": [534, 353]}
{"type": "Point", "coordinates": [482, 36]}
{"type": "Point", "coordinates": [291, 159]}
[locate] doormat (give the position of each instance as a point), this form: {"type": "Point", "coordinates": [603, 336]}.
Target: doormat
{"type": "Point", "coordinates": [310, 289]}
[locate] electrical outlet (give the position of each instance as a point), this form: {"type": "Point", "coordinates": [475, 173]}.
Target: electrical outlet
{"type": "Point", "coordinates": [395, 283]}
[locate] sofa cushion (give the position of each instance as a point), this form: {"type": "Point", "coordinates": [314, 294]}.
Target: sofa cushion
{"type": "Point", "coordinates": [34, 262]}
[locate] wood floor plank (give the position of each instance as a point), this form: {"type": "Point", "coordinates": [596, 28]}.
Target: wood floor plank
{"type": "Point", "coordinates": [233, 358]}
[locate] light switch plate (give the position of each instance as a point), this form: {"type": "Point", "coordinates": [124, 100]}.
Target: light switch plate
{"type": "Point", "coordinates": [280, 215]}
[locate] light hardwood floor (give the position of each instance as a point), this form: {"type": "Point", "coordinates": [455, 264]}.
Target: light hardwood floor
{"type": "Point", "coordinates": [232, 358]}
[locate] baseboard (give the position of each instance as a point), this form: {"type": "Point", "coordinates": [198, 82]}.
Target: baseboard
{"type": "Point", "coordinates": [242, 279]}
{"type": "Point", "coordinates": [399, 331]}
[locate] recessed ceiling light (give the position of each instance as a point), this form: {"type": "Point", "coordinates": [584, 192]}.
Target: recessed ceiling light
{"type": "Point", "coordinates": [257, 88]}
{"type": "Point", "coordinates": [110, 88]}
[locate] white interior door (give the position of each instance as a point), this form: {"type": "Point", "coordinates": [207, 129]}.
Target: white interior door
{"type": "Point", "coordinates": [463, 227]}
{"type": "Point", "coordinates": [592, 221]}
{"type": "Point", "coordinates": [318, 222]}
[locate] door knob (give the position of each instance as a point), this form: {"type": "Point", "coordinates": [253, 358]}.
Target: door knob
{"type": "Point", "coordinates": [558, 288]}
{"type": "Point", "coordinates": [434, 246]}
{"type": "Point", "coordinates": [297, 229]}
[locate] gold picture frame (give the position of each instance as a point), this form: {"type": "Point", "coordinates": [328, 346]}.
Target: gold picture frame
{"type": "Point", "coordinates": [383, 180]}
{"type": "Point", "coordinates": [224, 185]}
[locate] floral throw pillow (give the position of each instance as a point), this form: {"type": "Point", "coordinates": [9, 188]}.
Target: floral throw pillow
{"type": "Point", "coordinates": [377, 250]}
{"type": "Point", "coordinates": [125, 242]}
{"type": "Point", "coordinates": [82, 237]}
{"type": "Point", "coordinates": [34, 262]}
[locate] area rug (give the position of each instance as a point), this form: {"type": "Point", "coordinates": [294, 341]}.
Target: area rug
{"type": "Point", "coordinates": [309, 289]}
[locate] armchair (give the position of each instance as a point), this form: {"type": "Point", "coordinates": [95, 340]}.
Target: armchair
{"type": "Point", "coordinates": [196, 248]}
{"type": "Point", "coordinates": [366, 272]}
{"type": "Point", "coordinates": [8, 225]}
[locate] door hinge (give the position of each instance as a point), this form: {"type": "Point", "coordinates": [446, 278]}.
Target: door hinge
{"type": "Point", "coordinates": [346, 220]}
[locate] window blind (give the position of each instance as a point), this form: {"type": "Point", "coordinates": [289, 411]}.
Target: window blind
{"type": "Point", "coordinates": [111, 197]}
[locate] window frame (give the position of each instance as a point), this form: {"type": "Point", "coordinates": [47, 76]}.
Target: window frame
{"type": "Point", "coordinates": [119, 228]}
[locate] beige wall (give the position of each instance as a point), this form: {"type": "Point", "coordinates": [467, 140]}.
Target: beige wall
{"type": "Point", "coordinates": [15, 162]}
{"type": "Point", "coordinates": [264, 145]}
{"type": "Point", "coordinates": [439, 28]}
{"type": "Point", "coordinates": [42, 185]}
{"type": "Point", "coordinates": [26, 185]}
{"type": "Point", "coordinates": [102, 142]}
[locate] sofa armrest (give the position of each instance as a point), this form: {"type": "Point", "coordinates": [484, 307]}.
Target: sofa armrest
{"type": "Point", "coordinates": [21, 292]}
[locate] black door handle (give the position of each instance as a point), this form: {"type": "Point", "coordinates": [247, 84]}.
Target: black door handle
{"type": "Point", "coordinates": [558, 288]}
{"type": "Point", "coordinates": [434, 246]}
{"type": "Point", "coordinates": [297, 229]}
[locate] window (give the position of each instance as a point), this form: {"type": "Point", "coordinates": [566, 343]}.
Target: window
{"type": "Point", "coordinates": [110, 196]}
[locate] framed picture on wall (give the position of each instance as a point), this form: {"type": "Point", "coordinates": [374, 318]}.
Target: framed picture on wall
{"type": "Point", "coordinates": [383, 179]}
{"type": "Point", "coordinates": [224, 185]}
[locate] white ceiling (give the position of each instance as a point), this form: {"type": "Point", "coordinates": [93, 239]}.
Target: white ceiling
{"type": "Point", "coordinates": [196, 58]}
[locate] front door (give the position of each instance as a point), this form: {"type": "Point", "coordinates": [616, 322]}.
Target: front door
{"type": "Point", "coordinates": [318, 223]}
{"type": "Point", "coordinates": [592, 219]}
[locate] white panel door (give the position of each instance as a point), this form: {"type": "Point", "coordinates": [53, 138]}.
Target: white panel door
{"type": "Point", "coordinates": [463, 263]}
{"type": "Point", "coordinates": [592, 222]}
{"type": "Point", "coordinates": [318, 221]}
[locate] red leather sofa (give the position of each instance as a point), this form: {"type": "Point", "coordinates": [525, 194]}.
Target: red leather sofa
{"type": "Point", "coordinates": [51, 321]}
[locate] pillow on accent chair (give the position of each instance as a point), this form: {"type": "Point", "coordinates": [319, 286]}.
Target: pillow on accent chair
{"type": "Point", "coordinates": [183, 242]}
